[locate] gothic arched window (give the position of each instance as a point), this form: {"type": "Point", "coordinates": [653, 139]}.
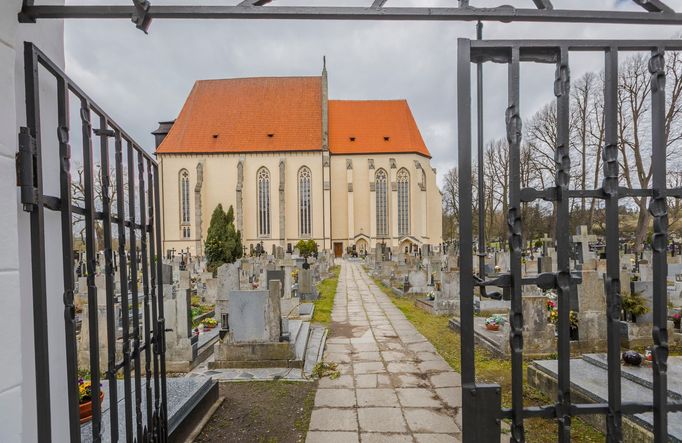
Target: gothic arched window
{"type": "Point", "coordinates": [381, 190]}
{"type": "Point", "coordinates": [304, 201]}
{"type": "Point", "coordinates": [184, 204]}
{"type": "Point", "coordinates": [263, 177]}
{"type": "Point", "coordinates": [403, 202]}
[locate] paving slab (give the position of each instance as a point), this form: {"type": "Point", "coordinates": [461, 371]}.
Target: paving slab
{"type": "Point", "coordinates": [394, 386]}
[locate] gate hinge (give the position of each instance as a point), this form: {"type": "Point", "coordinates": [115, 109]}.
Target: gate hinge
{"type": "Point", "coordinates": [25, 162]}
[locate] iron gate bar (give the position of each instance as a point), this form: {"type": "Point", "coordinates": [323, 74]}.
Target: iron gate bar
{"type": "Point", "coordinates": [577, 409]}
{"type": "Point", "coordinates": [562, 159]}
{"type": "Point", "coordinates": [68, 258]}
{"type": "Point", "coordinates": [155, 278]}
{"type": "Point", "coordinates": [610, 188]}
{"type": "Point", "coordinates": [513, 128]}
{"type": "Point", "coordinates": [465, 226]}
{"type": "Point", "coordinates": [658, 207]}
{"type": "Point", "coordinates": [91, 260]}
{"type": "Point", "coordinates": [160, 339]}
{"type": "Point", "coordinates": [500, 13]}
{"type": "Point", "coordinates": [32, 199]}
{"type": "Point", "coordinates": [134, 291]}
{"type": "Point", "coordinates": [482, 250]}
{"type": "Point", "coordinates": [145, 294]}
{"type": "Point", "coordinates": [123, 274]}
{"type": "Point", "coordinates": [557, 52]}
{"type": "Point", "coordinates": [109, 277]}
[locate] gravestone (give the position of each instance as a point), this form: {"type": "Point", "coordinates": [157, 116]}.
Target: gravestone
{"type": "Point", "coordinates": [581, 243]}
{"type": "Point", "coordinates": [254, 316]}
{"type": "Point", "coordinates": [418, 281]}
{"type": "Point", "coordinates": [544, 264]}
{"type": "Point", "coordinates": [592, 306]}
{"type": "Point", "coordinates": [646, 290]}
{"type": "Point", "coordinates": [228, 281]}
{"type": "Point", "coordinates": [166, 274]}
{"type": "Point", "coordinates": [447, 299]}
{"type": "Point", "coordinates": [276, 274]}
{"type": "Point", "coordinates": [306, 289]}
{"type": "Point", "coordinates": [211, 291]}
{"type": "Point", "coordinates": [538, 333]}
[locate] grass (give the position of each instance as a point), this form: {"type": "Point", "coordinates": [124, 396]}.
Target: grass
{"type": "Point", "coordinates": [327, 290]}
{"type": "Point", "coordinates": [489, 369]}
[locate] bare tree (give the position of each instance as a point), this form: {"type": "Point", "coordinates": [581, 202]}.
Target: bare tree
{"type": "Point", "coordinates": [634, 96]}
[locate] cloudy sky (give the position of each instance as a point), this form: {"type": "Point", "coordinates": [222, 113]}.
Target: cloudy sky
{"type": "Point", "coordinates": [141, 79]}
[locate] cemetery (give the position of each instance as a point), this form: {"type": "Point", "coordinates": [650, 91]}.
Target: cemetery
{"type": "Point", "coordinates": [279, 265]}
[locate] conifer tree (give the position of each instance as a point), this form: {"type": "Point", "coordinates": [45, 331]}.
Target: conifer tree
{"type": "Point", "coordinates": [223, 241]}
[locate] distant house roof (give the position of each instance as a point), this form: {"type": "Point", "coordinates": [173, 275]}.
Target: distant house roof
{"type": "Point", "coordinates": [266, 114]}
{"type": "Point", "coordinates": [373, 126]}
{"type": "Point", "coordinates": [275, 114]}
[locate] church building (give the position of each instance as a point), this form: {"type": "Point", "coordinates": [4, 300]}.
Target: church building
{"type": "Point", "coordinates": [295, 165]}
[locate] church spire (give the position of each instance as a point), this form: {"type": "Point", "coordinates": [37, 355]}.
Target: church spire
{"type": "Point", "coordinates": [325, 106]}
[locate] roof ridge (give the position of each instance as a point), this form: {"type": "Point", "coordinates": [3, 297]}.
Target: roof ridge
{"type": "Point", "coordinates": [258, 78]}
{"type": "Point", "coordinates": [370, 100]}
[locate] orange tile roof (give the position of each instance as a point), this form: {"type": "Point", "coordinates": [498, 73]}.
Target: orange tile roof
{"type": "Point", "coordinates": [236, 115]}
{"type": "Point", "coordinates": [373, 126]}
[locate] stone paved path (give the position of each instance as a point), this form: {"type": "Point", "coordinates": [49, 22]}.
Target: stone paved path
{"type": "Point", "coordinates": [394, 387]}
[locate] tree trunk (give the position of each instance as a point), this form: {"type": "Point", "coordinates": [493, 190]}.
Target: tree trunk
{"type": "Point", "coordinates": [642, 225]}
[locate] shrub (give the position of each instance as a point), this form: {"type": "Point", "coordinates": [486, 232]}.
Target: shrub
{"type": "Point", "coordinates": [633, 304]}
{"type": "Point", "coordinates": [223, 241]}
{"type": "Point", "coordinates": [307, 247]}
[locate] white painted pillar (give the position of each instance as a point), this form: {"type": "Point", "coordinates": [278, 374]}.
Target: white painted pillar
{"type": "Point", "coordinates": [393, 204]}
{"type": "Point", "coordinates": [349, 203]}
{"type": "Point", "coordinates": [372, 205]}
{"type": "Point", "coordinates": [18, 421]}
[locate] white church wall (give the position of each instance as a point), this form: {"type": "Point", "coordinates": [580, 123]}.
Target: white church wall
{"type": "Point", "coordinates": [425, 206]}
{"type": "Point", "coordinates": [219, 186]}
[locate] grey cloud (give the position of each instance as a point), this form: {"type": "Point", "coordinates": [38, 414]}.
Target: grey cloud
{"type": "Point", "coordinates": [141, 79]}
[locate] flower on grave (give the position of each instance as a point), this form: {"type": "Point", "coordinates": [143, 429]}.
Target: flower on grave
{"type": "Point", "coordinates": [495, 319]}
{"type": "Point", "coordinates": [573, 319]}
{"type": "Point", "coordinates": [677, 316]}
{"type": "Point", "coordinates": [210, 322]}
{"type": "Point", "coordinates": [553, 316]}
{"type": "Point", "coordinates": [84, 391]}
{"type": "Point", "coordinates": [431, 295]}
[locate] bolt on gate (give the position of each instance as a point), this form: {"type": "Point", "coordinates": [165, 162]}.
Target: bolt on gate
{"type": "Point", "coordinates": [132, 188]}
{"type": "Point", "coordinates": [482, 410]}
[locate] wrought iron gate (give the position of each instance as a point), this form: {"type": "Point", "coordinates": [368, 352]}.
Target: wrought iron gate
{"type": "Point", "coordinates": [135, 185]}
{"type": "Point", "coordinates": [482, 410]}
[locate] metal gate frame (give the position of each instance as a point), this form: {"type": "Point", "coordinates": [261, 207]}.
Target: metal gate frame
{"type": "Point", "coordinates": [482, 412]}
{"type": "Point", "coordinates": [147, 228]}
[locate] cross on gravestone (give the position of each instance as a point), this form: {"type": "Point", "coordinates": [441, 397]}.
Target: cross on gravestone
{"type": "Point", "coordinates": [546, 241]}
{"type": "Point", "coordinates": [581, 243]}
